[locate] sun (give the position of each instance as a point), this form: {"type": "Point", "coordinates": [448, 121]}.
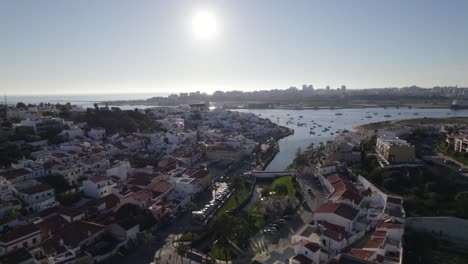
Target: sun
{"type": "Point", "coordinates": [204, 25]}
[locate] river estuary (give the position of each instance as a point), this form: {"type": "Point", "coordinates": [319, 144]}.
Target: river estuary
{"type": "Point", "coordinates": [346, 119]}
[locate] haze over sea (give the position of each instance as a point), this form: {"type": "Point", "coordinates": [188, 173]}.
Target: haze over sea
{"type": "Point", "coordinates": [85, 100]}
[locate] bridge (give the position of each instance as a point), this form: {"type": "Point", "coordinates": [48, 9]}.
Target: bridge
{"type": "Point", "coordinates": [270, 174]}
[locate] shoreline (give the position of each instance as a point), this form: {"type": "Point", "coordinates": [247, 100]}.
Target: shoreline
{"type": "Point", "coordinates": [289, 132]}
{"type": "Point", "coordinates": [414, 121]}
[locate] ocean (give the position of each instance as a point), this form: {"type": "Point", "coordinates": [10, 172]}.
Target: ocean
{"type": "Point", "coordinates": [83, 100]}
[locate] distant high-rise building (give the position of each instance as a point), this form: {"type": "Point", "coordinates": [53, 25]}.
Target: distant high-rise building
{"type": "Point", "coordinates": [306, 87]}
{"type": "Point", "coordinates": [343, 88]}
{"type": "Point", "coordinates": [327, 88]}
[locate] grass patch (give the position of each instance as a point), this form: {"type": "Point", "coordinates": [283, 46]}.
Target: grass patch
{"type": "Point", "coordinates": [460, 157]}
{"type": "Point", "coordinates": [239, 197]}
{"type": "Point", "coordinates": [283, 187]}
{"type": "Point", "coordinates": [260, 218]}
{"type": "Point", "coordinates": [187, 236]}
{"type": "Point", "coordinates": [416, 121]}
{"type": "Point", "coordinates": [220, 253]}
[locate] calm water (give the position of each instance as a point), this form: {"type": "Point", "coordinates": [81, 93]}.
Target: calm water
{"type": "Point", "coordinates": [351, 117]}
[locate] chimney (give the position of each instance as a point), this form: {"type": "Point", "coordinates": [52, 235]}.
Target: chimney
{"type": "Point", "coordinates": [339, 236]}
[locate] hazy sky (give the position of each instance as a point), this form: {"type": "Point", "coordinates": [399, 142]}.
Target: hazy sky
{"type": "Point", "coordinates": [113, 46]}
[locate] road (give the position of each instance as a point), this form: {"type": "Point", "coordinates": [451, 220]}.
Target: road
{"type": "Point", "coordinates": [439, 159]}
{"type": "Point", "coordinates": [164, 237]}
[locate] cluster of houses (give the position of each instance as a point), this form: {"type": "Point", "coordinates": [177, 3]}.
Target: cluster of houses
{"type": "Point", "coordinates": [98, 168]}
{"type": "Point", "coordinates": [357, 221]}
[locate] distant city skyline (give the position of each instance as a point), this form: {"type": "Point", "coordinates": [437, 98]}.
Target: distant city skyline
{"type": "Point", "coordinates": [162, 47]}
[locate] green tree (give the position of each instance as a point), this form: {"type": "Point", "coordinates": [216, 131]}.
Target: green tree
{"type": "Point", "coordinates": [462, 203]}
{"type": "Point", "coordinates": [181, 250]}
{"type": "Point", "coordinates": [148, 238]}
{"type": "Point", "coordinates": [236, 184]}
{"type": "Point", "coordinates": [21, 105]}
{"type": "Point", "coordinates": [281, 189]}
{"type": "Point", "coordinates": [12, 213]}
{"type": "Point", "coordinates": [191, 207]}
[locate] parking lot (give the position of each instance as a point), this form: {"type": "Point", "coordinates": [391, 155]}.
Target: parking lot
{"type": "Point", "coordinates": [220, 194]}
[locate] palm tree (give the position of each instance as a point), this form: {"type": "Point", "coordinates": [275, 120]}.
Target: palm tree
{"type": "Point", "coordinates": [191, 207]}
{"type": "Point", "coordinates": [236, 184]}
{"type": "Point", "coordinates": [181, 249]}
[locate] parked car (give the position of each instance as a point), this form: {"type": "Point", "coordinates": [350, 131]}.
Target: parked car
{"type": "Point", "coordinates": [280, 221]}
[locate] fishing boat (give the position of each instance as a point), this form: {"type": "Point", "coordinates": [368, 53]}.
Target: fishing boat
{"type": "Point", "coordinates": [338, 114]}
{"type": "Point", "coordinates": [387, 116]}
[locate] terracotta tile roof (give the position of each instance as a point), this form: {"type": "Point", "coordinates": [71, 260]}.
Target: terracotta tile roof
{"type": "Point", "coordinates": [19, 232]}
{"type": "Point", "coordinates": [160, 186]}
{"type": "Point", "coordinates": [391, 224]}
{"type": "Point", "coordinates": [99, 178]}
{"type": "Point", "coordinates": [394, 200]}
{"type": "Point", "coordinates": [302, 259]}
{"type": "Point", "coordinates": [379, 234]}
{"type": "Point", "coordinates": [314, 247]}
{"type": "Point", "coordinates": [335, 232]}
{"type": "Point", "coordinates": [348, 195]}
{"type": "Point", "coordinates": [361, 253]}
{"type": "Point", "coordinates": [374, 243]}
{"type": "Point", "coordinates": [142, 195]}
{"type": "Point", "coordinates": [333, 178]}
{"type": "Point", "coordinates": [110, 200]}
{"type": "Point", "coordinates": [196, 174]}
{"type": "Point", "coordinates": [340, 209]}
{"type": "Point", "coordinates": [14, 173]}
{"type": "Point", "coordinates": [61, 210]}
{"type": "Point", "coordinates": [141, 179]}
{"type": "Point", "coordinates": [77, 232]}
{"type": "Point", "coordinates": [344, 184]}
{"type": "Point", "coordinates": [51, 224]}
{"type": "Point", "coordinates": [37, 188]}
{"type": "Point", "coordinates": [60, 154]}
{"type": "Point", "coordinates": [395, 260]}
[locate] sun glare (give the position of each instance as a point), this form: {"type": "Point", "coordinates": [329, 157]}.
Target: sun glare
{"type": "Point", "coordinates": [204, 25]}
